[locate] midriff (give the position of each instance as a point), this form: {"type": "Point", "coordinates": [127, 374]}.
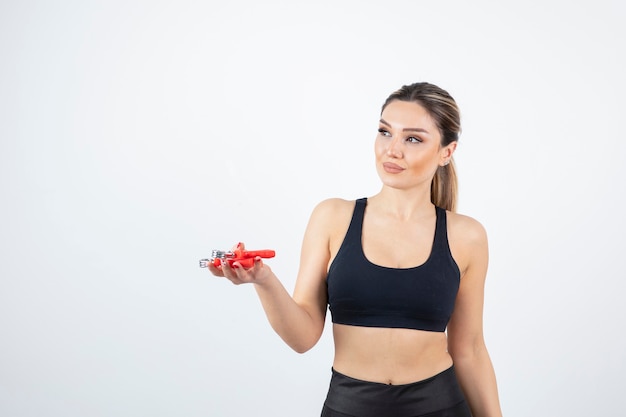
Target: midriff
{"type": "Point", "coordinates": [389, 356]}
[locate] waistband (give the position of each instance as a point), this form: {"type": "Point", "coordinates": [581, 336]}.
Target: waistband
{"type": "Point", "coordinates": [374, 399]}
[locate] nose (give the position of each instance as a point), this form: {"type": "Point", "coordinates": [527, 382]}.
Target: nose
{"type": "Point", "coordinates": [394, 149]}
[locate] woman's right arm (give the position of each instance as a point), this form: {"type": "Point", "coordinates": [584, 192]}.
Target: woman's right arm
{"type": "Point", "coordinates": [298, 319]}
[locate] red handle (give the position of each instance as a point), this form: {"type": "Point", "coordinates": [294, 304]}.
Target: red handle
{"type": "Point", "coordinates": [246, 257]}
{"type": "Point", "coordinates": [245, 262]}
{"type": "Point", "coordinates": [254, 253]}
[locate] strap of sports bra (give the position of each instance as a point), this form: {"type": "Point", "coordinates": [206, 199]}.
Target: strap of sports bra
{"type": "Point", "coordinates": [441, 230]}
{"type": "Point", "coordinates": [357, 217]}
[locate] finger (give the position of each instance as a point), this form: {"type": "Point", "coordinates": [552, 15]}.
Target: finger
{"type": "Point", "coordinates": [244, 273]}
{"type": "Point", "coordinates": [258, 263]}
{"type": "Point", "coordinates": [232, 270]}
{"type": "Point", "coordinates": [235, 280]}
{"type": "Point", "coordinates": [238, 268]}
{"type": "Point", "coordinates": [215, 270]}
{"type": "Point", "coordinates": [237, 275]}
{"type": "Point", "coordinates": [227, 270]}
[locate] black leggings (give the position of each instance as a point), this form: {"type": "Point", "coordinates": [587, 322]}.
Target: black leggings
{"type": "Point", "coordinates": [437, 396]}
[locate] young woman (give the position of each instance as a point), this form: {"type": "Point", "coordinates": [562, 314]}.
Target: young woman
{"type": "Point", "coordinates": [403, 276]}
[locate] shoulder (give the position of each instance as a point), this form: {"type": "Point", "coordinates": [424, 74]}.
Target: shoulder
{"type": "Point", "coordinates": [330, 219]}
{"type": "Point", "coordinates": [335, 203]}
{"type": "Point", "coordinates": [465, 228]}
{"type": "Point", "coordinates": [332, 208]}
{"type": "Point", "coordinates": [467, 238]}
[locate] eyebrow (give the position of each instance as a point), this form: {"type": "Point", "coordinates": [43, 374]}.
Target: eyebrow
{"type": "Point", "coordinates": [408, 129]}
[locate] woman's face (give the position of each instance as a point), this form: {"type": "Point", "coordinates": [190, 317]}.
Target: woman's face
{"type": "Point", "coordinates": [408, 146]}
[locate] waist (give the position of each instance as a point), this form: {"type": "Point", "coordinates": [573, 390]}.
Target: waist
{"type": "Point", "coordinates": [353, 396]}
{"type": "Point", "coordinates": [389, 356]}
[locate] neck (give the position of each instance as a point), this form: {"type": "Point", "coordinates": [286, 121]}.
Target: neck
{"type": "Point", "coordinates": [403, 204]}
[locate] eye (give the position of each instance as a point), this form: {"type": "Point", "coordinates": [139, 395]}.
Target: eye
{"type": "Point", "coordinates": [384, 132]}
{"type": "Point", "coordinates": [413, 139]}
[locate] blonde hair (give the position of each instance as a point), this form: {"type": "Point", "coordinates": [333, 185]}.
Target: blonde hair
{"type": "Point", "coordinates": [445, 112]}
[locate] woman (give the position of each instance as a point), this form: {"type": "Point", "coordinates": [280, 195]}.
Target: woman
{"type": "Point", "coordinates": [397, 270]}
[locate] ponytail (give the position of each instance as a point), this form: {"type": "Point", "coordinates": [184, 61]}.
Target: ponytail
{"type": "Point", "coordinates": [444, 188]}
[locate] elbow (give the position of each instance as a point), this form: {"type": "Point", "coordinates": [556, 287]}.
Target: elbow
{"type": "Point", "coordinates": [301, 346]}
{"type": "Point", "coordinates": [302, 338]}
{"type": "Point", "coordinates": [301, 349]}
{"type": "Point", "coordinates": [305, 340]}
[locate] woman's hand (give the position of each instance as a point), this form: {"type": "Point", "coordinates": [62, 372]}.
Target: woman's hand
{"type": "Point", "coordinates": [237, 274]}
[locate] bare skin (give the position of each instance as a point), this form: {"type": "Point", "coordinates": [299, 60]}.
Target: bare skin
{"type": "Point", "coordinates": [398, 230]}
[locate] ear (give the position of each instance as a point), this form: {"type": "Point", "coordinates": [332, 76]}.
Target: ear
{"type": "Point", "coordinates": [445, 154]}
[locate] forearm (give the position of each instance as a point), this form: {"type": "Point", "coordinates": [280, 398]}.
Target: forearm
{"type": "Point", "coordinates": [289, 320]}
{"type": "Point", "coordinates": [478, 382]}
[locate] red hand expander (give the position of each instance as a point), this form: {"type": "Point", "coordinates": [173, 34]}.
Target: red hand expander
{"type": "Point", "coordinates": [244, 257]}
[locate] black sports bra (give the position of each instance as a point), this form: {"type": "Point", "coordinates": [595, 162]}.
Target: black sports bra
{"type": "Point", "coordinates": [361, 293]}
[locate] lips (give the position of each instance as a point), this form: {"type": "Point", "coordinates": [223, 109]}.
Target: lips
{"type": "Point", "coordinates": [392, 168]}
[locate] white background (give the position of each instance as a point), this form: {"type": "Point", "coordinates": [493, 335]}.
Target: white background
{"type": "Point", "coordinates": [136, 136]}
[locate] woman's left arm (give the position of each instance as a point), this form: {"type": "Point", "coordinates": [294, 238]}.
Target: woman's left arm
{"type": "Point", "coordinates": [466, 342]}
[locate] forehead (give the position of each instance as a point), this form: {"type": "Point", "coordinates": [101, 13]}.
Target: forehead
{"type": "Point", "coordinates": [408, 114]}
